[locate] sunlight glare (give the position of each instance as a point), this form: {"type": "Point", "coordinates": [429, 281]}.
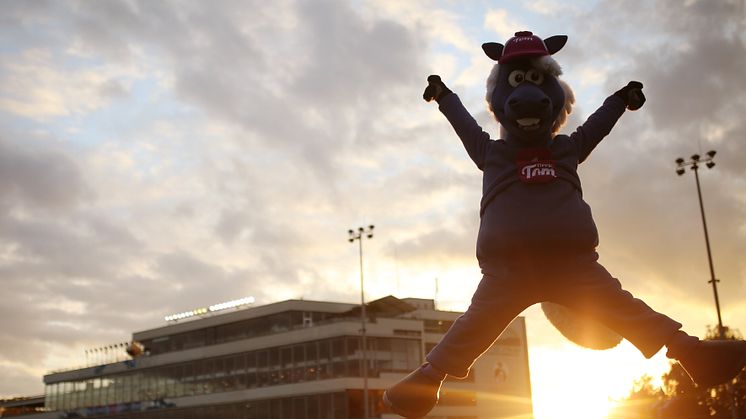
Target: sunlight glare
{"type": "Point", "coordinates": [569, 382]}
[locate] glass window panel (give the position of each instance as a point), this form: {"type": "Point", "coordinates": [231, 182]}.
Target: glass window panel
{"type": "Point", "coordinates": [187, 380]}
{"type": "Point", "coordinates": [456, 397]}
{"type": "Point", "coordinates": [325, 371]}
{"type": "Point", "coordinates": [355, 404]}
{"type": "Point", "coordinates": [338, 347]}
{"type": "Point", "coordinates": [229, 364]}
{"type": "Point", "coordinates": [263, 378]}
{"type": "Point", "coordinates": [299, 408]}
{"type": "Point", "coordinates": [299, 354]}
{"type": "Point", "coordinates": [296, 374]}
{"type": "Point", "coordinates": [339, 369]}
{"type": "Point", "coordinates": [127, 388]}
{"type": "Point", "coordinates": [339, 405]}
{"type": "Point", "coordinates": [287, 408]}
{"type": "Point", "coordinates": [48, 397]}
{"type": "Point", "coordinates": [310, 373]}
{"type": "Point", "coordinates": [354, 368]}
{"type": "Point", "coordinates": [251, 380]}
{"type": "Point", "coordinates": [311, 352]}
{"type": "Point", "coordinates": [296, 318]}
{"type": "Point", "coordinates": [286, 356]}
{"type": "Point", "coordinates": [251, 360]}
{"type": "Point", "coordinates": [274, 357]}
{"type": "Point", "coordinates": [276, 409]}
{"type": "Point", "coordinates": [312, 407]}
{"type": "Point", "coordinates": [324, 349]}
{"type": "Point", "coordinates": [383, 344]}
{"type": "Point", "coordinates": [262, 359]}
{"type": "Point", "coordinates": [199, 376]}
{"type": "Point", "coordinates": [239, 371]}
{"type": "Point", "coordinates": [325, 406]}
{"type": "Point", "coordinates": [353, 344]}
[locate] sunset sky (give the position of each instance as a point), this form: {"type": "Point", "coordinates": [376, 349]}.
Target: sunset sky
{"type": "Point", "coordinates": [157, 156]}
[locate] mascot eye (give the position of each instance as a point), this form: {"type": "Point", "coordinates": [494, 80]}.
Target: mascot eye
{"type": "Point", "coordinates": [516, 77]}
{"type": "Point", "coordinates": [535, 76]}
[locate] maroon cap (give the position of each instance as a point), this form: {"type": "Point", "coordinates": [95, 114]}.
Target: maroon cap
{"type": "Point", "coordinates": [523, 44]}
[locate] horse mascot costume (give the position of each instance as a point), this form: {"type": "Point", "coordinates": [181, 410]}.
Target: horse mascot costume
{"type": "Point", "coordinates": [537, 238]}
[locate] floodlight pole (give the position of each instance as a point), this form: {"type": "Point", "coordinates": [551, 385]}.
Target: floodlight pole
{"type": "Point", "coordinates": [680, 170]}
{"type": "Point", "coordinates": [694, 163]}
{"type": "Point", "coordinates": [353, 235]}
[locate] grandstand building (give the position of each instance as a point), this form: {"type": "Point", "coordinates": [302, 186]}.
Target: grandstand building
{"type": "Point", "coordinates": [294, 359]}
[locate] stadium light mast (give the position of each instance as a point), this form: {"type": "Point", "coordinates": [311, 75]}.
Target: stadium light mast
{"type": "Point", "coordinates": [358, 235]}
{"type": "Point", "coordinates": [693, 164]}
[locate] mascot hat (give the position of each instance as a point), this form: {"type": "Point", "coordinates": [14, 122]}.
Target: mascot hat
{"type": "Point", "coordinates": [524, 45]}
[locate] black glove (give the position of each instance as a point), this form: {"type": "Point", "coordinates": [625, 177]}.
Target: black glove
{"type": "Point", "coordinates": [632, 95]}
{"type": "Point", "coordinates": [435, 89]}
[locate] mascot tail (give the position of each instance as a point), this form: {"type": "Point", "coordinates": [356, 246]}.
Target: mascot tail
{"type": "Point", "coordinates": [581, 330]}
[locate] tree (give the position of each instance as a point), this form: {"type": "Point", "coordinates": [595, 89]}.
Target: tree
{"type": "Point", "coordinates": [679, 398]}
{"type": "Point", "coordinates": [642, 401]}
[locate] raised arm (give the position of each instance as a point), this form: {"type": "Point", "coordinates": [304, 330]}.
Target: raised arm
{"type": "Point", "coordinates": [587, 136]}
{"type": "Point", "coordinates": [475, 140]}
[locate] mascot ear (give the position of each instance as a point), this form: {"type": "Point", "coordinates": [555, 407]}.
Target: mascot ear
{"type": "Point", "coordinates": [554, 43]}
{"type": "Point", "coordinates": [493, 50]}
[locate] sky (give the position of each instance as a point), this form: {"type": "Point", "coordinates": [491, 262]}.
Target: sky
{"type": "Point", "coordinates": [157, 156]}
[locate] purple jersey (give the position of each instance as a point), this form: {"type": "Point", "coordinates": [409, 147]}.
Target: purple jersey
{"type": "Point", "coordinates": [532, 200]}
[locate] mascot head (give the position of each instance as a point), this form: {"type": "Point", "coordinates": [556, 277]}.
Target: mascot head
{"type": "Point", "coordinates": [523, 90]}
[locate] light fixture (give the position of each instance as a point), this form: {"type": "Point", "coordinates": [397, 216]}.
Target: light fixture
{"type": "Point", "coordinates": [213, 308]}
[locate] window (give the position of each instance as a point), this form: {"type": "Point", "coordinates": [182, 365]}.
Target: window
{"type": "Point", "coordinates": [299, 408]}
{"type": "Point", "coordinates": [437, 326]}
{"type": "Point", "coordinates": [324, 350]}
{"type": "Point", "coordinates": [274, 357]}
{"type": "Point", "coordinates": [311, 352]}
{"type": "Point", "coordinates": [353, 344]}
{"type": "Point", "coordinates": [338, 347]}
{"type": "Point", "coordinates": [451, 397]}
{"type": "Point", "coordinates": [298, 354]}
{"type": "Point", "coordinates": [262, 359]}
{"type": "Point", "coordinates": [286, 355]}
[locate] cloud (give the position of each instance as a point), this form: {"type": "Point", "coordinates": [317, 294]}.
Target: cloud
{"type": "Point", "coordinates": [159, 156]}
{"type": "Point", "coordinates": [36, 174]}
{"type": "Point", "coordinates": [503, 24]}
{"type": "Point", "coordinates": [32, 86]}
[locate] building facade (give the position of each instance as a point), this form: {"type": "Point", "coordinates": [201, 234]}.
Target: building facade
{"type": "Point", "coordinates": [294, 359]}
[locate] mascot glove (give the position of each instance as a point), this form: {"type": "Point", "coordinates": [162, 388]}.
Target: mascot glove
{"type": "Point", "coordinates": [435, 89]}
{"type": "Point", "coordinates": [632, 95]}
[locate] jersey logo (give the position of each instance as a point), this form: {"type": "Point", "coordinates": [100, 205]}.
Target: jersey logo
{"type": "Point", "coordinates": [535, 165]}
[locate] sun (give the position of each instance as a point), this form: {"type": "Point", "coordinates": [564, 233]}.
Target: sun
{"type": "Point", "coordinates": [573, 383]}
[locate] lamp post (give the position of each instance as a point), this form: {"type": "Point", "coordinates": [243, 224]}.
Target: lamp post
{"type": "Point", "coordinates": [358, 235]}
{"type": "Point", "coordinates": [694, 163]}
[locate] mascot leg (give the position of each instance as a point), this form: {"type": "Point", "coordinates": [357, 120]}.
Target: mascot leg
{"type": "Point", "coordinates": [496, 302]}
{"type": "Point", "coordinates": [592, 291]}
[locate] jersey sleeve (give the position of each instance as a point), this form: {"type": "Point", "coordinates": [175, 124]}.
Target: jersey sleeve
{"type": "Point", "coordinates": [587, 136]}
{"type": "Point", "coordinates": [475, 140]}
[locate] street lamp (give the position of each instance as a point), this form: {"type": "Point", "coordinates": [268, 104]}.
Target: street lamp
{"type": "Point", "coordinates": [694, 163]}
{"type": "Point", "coordinates": [358, 235]}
